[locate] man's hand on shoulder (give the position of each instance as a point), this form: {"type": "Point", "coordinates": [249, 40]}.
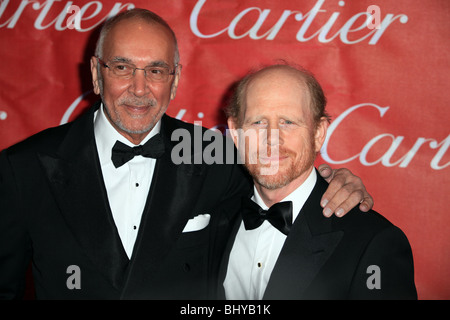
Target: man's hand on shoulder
{"type": "Point", "coordinates": [344, 192]}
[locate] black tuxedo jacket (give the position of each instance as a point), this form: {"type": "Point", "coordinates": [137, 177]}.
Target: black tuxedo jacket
{"type": "Point", "coordinates": [329, 258]}
{"type": "Point", "coordinates": [54, 211]}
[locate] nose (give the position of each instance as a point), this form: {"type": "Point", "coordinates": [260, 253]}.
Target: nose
{"type": "Point", "coordinates": [273, 136]}
{"type": "Point", "coordinates": [139, 86]}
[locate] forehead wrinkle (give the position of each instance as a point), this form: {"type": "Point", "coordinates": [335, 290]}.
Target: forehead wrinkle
{"type": "Point", "coordinates": [263, 78]}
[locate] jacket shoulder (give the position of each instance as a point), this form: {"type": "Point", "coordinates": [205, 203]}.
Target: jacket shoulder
{"type": "Point", "coordinates": [362, 223]}
{"type": "Point", "coordinates": [44, 140]}
{"type": "Point", "coordinates": [50, 139]}
{"type": "Point", "coordinates": [353, 221]}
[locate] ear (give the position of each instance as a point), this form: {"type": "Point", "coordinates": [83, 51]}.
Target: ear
{"type": "Point", "coordinates": [321, 133]}
{"type": "Point", "coordinates": [95, 76]}
{"type": "Point", "coordinates": [173, 90]}
{"type": "Point", "coordinates": [232, 126]}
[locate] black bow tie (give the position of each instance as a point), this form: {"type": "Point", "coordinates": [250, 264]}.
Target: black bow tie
{"type": "Point", "coordinates": [121, 153]}
{"type": "Point", "coordinates": [279, 215]}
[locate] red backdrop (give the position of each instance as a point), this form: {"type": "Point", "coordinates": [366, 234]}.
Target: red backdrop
{"type": "Point", "coordinates": [385, 79]}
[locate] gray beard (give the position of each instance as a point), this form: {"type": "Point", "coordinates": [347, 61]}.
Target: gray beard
{"type": "Point", "coordinates": [118, 122]}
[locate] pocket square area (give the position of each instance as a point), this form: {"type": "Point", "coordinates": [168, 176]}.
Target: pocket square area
{"type": "Point", "coordinates": [197, 223]}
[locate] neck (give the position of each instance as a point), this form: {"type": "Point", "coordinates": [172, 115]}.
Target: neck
{"type": "Point", "coordinates": [135, 138]}
{"type": "Point", "coordinates": [272, 196]}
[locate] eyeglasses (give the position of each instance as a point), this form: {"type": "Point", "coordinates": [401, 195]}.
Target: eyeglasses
{"type": "Point", "coordinates": [126, 70]}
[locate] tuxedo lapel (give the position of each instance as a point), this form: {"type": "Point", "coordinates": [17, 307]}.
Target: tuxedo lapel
{"type": "Point", "coordinates": [77, 184]}
{"type": "Point", "coordinates": [310, 243]}
{"type": "Point", "coordinates": [169, 206]}
{"type": "Point", "coordinates": [226, 258]}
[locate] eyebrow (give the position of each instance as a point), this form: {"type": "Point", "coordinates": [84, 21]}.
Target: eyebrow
{"type": "Point", "coordinates": [259, 117]}
{"type": "Point", "coordinates": [121, 59]}
{"type": "Point", "coordinates": [157, 63]}
{"type": "Point", "coordinates": [293, 118]}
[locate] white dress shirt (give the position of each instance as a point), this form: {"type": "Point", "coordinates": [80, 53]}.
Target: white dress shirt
{"type": "Point", "coordinates": [127, 186]}
{"type": "Point", "coordinates": [256, 251]}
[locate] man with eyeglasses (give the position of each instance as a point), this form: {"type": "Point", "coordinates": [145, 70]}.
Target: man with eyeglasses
{"type": "Point", "coordinates": [99, 206]}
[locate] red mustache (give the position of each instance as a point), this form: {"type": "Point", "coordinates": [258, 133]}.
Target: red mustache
{"type": "Point", "coordinates": [269, 152]}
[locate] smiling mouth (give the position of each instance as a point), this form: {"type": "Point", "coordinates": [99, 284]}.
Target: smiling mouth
{"type": "Point", "coordinates": [137, 109]}
{"type": "Point", "coordinates": [271, 159]}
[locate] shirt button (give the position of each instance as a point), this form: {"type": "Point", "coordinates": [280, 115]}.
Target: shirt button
{"type": "Point", "coordinates": [134, 227]}
{"type": "Point", "coordinates": [259, 264]}
{"type": "Point", "coordinates": [137, 184]}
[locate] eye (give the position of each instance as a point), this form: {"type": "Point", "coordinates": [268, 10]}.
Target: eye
{"type": "Point", "coordinates": [158, 71]}
{"type": "Point", "coordinates": [287, 122]}
{"type": "Point", "coordinates": [255, 122]}
{"type": "Point", "coordinates": [259, 123]}
{"type": "Point", "coordinates": [121, 67]}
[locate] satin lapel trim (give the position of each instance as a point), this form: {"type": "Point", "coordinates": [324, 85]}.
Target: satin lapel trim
{"type": "Point", "coordinates": [308, 246]}
{"type": "Point", "coordinates": [226, 258]}
{"type": "Point", "coordinates": [299, 262]}
{"type": "Point", "coordinates": [77, 185]}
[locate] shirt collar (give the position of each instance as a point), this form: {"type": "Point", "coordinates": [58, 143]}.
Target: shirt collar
{"type": "Point", "coordinates": [298, 196]}
{"type": "Point", "coordinates": [106, 135]}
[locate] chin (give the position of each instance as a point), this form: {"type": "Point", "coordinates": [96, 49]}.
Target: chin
{"type": "Point", "coordinates": [272, 181]}
{"type": "Point", "coordinates": [136, 128]}
{"type": "Point", "coordinates": [272, 184]}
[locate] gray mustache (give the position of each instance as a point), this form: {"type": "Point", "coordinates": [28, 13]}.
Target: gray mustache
{"type": "Point", "coordinates": [138, 102]}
